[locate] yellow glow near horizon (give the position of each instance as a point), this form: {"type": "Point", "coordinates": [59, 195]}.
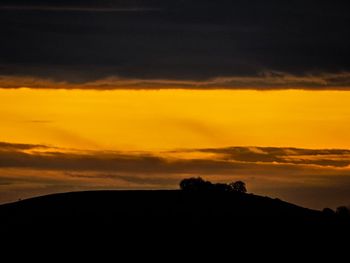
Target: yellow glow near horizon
{"type": "Point", "coordinates": [166, 119]}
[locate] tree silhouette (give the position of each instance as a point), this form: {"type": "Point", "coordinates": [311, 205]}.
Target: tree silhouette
{"type": "Point", "coordinates": [343, 212]}
{"type": "Point", "coordinates": [195, 185]}
{"type": "Point", "coordinates": [221, 188]}
{"type": "Point", "coordinates": [238, 187]}
{"type": "Point", "coordinates": [328, 212]}
{"type": "Point", "coordinates": [199, 185]}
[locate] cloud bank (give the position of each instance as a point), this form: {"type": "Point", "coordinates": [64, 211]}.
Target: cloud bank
{"type": "Point", "coordinates": [264, 81]}
{"type": "Point", "coordinates": [206, 44]}
{"type": "Point", "coordinates": [182, 161]}
{"type": "Point", "coordinates": [73, 9]}
{"type": "Point", "coordinates": [314, 178]}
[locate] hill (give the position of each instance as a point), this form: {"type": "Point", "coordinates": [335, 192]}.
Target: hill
{"type": "Point", "coordinates": [158, 218]}
{"type": "Point", "coordinates": [153, 207]}
{"type": "Point", "coordinates": [124, 204]}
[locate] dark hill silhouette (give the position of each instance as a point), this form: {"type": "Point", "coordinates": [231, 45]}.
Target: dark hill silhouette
{"type": "Point", "coordinates": [210, 216]}
{"type": "Point", "coordinates": [193, 214]}
{"type": "Point", "coordinates": [153, 203]}
{"type": "Point", "coordinates": [153, 207]}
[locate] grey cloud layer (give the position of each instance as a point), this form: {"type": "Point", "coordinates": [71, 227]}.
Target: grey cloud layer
{"type": "Point", "coordinates": [264, 81]}
{"type": "Point", "coordinates": [17, 156]}
{"type": "Point", "coordinates": [14, 147]}
{"type": "Point", "coordinates": [73, 9]}
{"type": "Point", "coordinates": [313, 178]}
{"type": "Point", "coordinates": [328, 157]}
{"type": "Point", "coordinates": [230, 42]}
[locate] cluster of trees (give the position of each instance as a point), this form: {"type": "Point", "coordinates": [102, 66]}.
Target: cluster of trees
{"type": "Point", "coordinates": [341, 211]}
{"type": "Point", "coordinates": [200, 185]}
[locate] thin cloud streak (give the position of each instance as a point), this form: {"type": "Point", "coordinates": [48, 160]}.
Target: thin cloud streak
{"type": "Point", "coordinates": [76, 9]}
{"type": "Point", "coordinates": [220, 160]}
{"type": "Point", "coordinates": [265, 81]}
{"type": "Point", "coordinates": [13, 147]}
{"type": "Point", "coordinates": [302, 176]}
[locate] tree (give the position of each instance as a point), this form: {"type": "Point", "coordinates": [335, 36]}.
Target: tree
{"type": "Point", "coordinates": [238, 187]}
{"type": "Point", "coordinates": [199, 185]}
{"type": "Point", "coordinates": [328, 212]}
{"type": "Point", "coordinates": [221, 188]}
{"type": "Point", "coordinates": [343, 212]}
{"type": "Point", "coordinates": [195, 184]}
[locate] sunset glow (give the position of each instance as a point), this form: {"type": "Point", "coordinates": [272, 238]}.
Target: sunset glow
{"type": "Point", "coordinates": [127, 120]}
{"type": "Point", "coordinates": [98, 95]}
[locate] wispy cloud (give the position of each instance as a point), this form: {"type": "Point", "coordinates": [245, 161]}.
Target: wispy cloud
{"type": "Point", "coordinates": [39, 121]}
{"type": "Point", "coordinates": [305, 176]}
{"type": "Point", "coordinates": [265, 81]}
{"type": "Point", "coordinates": [178, 161]}
{"type": "Point", "coordinates": [295, 156]}
{"type": "Point", "coordinates": [15, 147]}
{"type": "Point", "coordinates": [76, 9]}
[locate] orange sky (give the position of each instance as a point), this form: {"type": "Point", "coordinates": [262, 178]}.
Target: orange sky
{"type": "Point", "coordinates": [141, 94]}
{"type": "Point", "coordinates": [167, 119]}
{"type": "Point", "coordinates": [138, 139]}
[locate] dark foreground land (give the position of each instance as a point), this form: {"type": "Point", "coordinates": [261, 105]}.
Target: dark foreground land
{"type": "Point", "coordinates": [138, 218]}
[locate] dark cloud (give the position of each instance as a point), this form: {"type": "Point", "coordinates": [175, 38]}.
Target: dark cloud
{"type": "Point", "coordinates": [39, 121]}
{"type": "Point", "coordinates": [314, 178]}
{"type": "Point", "coordinates": [264, 81]}
{"type": "Point", "coordinates": [226, 160]}
{"type": "Point", "coordinates": [325, 157]}
{"type": "Point", "coordinates": [14, 147]}
{"type": "Point", "coordinates": [73, 9]}
{"type": "Point", "coordinates": [156, 179]}
{"type": "Point", "coordinates": [85, 41]}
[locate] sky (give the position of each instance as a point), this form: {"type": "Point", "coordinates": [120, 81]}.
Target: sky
{"type": "Point", "coordinates": [141, 94]}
